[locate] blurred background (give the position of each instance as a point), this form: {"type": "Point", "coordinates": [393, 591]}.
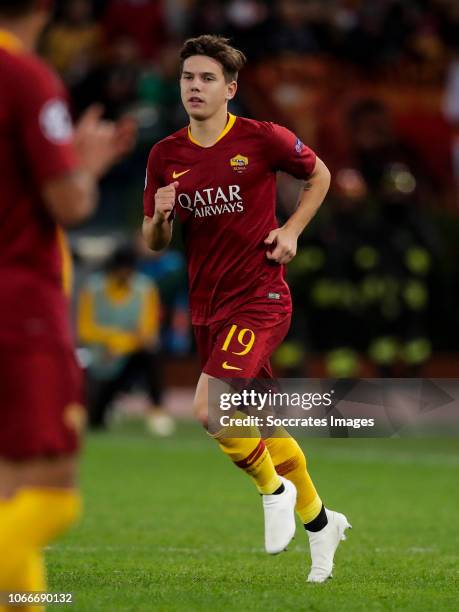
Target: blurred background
{"type": "Point", "coordinates": [373, 87]}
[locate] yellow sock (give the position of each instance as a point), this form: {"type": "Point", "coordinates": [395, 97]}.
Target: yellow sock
{"type": "Point", "coordinates": [252, 456]}
{"type": "Point", "coordinates": [29, 521]}
{"type": "Point", "coordinates": [31, 578]}
{"type": "Point", "coordinates": [290, 462]}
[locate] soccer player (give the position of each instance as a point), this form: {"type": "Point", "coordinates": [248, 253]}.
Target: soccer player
{"type": "Point", "coordinates": [48, 178]}
{"type": "Point", "coordinates": [218, 175]}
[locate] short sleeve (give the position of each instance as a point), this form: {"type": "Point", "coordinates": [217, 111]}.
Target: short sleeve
{"type": "Point", "coordinates": [289, 154]}
{"type": "Point", "coordinates": [153, 182]}
{"type": "Point", "coordinates": [45, 125]}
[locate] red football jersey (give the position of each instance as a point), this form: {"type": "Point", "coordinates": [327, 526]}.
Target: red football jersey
{"type": "Point", "coordinates": [35, 146]}
{"type": "Point", "coordinates": [226, 202]}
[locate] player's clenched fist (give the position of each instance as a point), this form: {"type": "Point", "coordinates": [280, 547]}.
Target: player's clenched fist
{"type": "Point", "coordinates": [164, 202]}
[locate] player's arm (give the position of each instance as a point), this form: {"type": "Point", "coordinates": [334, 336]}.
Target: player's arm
{"type": "Point", "coordinates": [72, 197]}
{"type": "Point", "coordinates": [157, 229]}
{"type": "Point", "coordinates": [64, 162]}
{"type": "Point", "coordinates": [302, 163]}
{"type": "Point", "coordinates": [313, 193]}
{"type": "Point", "coordinates": [285, 238]}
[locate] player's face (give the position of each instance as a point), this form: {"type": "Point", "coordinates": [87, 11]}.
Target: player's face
{"type": "Point", "coordinates": [203, 87]}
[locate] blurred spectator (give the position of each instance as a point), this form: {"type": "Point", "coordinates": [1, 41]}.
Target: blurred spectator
{"type": "Point", "coordinates": [177, 15]}
{"type": "Point", "coordinates": [159, 87]}
{"type": "Point", "coordinates": [208, 16]}
{"type": "Point", "coordinates": [246, 22]}
{"type": "Point", "coordinates": [114, 84]}
{"type": "Point", "coordinates": [377, 31]}
{"type": "Point", "coordinates": [139, 20]}
{"type": "Point", "coordinates": [73, 43]}
{"type": "Point", "coordinates": [451, 109]}
{"type": "Point", "coordinates": [363, 283]}
{"type": "Point", "coordinates": [119, 321]}
{"type": "Point", "coordinates": [375, 148]}
{"type": "Point", "coordinates": [290, 30]}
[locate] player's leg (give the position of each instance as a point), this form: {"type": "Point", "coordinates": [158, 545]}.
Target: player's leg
{"type": "Point", "coordinates": [248, 453]}
{"type": "Point", "coordinates": [39, 503]}
{"type": "Point", "coordinates": [38, 441]}
{"type": "Point", "coordinates": [325, 527]}
{"type": "Point", "coordinates": [290, 462]}
{"type": "Point", "coordinates": [244, 446]}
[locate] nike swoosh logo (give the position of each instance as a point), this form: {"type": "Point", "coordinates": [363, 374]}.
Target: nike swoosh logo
{"type": "Point", "coordinates": [227, 366]}
{"type": "Point", "coordinates": [178, 174]}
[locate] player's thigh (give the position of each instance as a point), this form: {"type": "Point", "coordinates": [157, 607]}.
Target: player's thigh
{"type": "Point", "coordinates": [41, 414]}
{"type": "Point", "coordinates": [243, 345]}
{"type": "Point", "coordinates": [200, 401]}
{"type": "Point", "coordinates": [55, 472]}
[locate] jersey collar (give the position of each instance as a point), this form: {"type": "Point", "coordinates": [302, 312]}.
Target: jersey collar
{"type": "Point", "coordinates": [9, 41]}
{"type": "Point", "coordinates": [229, 124]}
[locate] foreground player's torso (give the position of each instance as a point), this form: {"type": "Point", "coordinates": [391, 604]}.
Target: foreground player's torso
{"type": "Point", "coordinates": [35, 147]}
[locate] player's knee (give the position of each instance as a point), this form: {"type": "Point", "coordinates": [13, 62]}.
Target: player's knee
{"type": "Point", "coordinates": [201, 412]}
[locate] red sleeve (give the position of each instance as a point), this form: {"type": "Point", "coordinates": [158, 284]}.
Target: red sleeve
{"type": "Point", "coordinates": [289, 154]}
{"type": "Point", "coordinates": [45, 124]}
{"type": "Point", "coordinates": [153, 182]}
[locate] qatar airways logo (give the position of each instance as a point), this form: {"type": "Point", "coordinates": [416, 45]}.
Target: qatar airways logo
{"type": "Point", "coordinates": [213, 201]}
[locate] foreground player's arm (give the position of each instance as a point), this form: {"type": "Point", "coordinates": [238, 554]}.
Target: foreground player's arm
{"type": "Point", "coordinates": [157, 230]}
{"type": "Point", "coordinates": [65, 163]}
{"type": "Point", "coordinates": [285, 238]}
{"type": "Point", "coordinates": [72, 197]}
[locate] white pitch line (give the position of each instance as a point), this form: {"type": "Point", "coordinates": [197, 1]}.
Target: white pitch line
{"type": "Point", "coordinates": [161, 549]}
{"type": "Point", "coordinates": [57, 548]}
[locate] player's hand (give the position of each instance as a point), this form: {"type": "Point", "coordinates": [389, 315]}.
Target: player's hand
{"type": "Point", "coordinates": [99, 143]}
{"type": "Point", "coordinates": [164, 202]}
{"type": "Point", "coordinates": [283, 243]}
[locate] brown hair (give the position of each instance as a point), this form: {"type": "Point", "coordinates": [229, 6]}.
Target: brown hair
{"type": "Point", "coordinates": [218, 48]}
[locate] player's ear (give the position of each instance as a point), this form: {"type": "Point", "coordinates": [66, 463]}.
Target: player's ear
{"type": "Point", "coordinates": [231, 90]}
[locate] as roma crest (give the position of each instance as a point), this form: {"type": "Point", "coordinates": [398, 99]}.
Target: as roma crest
{"type": "Point", "coordinates": [239, 163]}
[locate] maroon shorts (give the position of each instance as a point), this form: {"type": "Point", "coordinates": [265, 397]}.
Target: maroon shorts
{"type": "Point", "coordinates": [41, 412]}
{"type": "Point", "coordinates": [241, 346]}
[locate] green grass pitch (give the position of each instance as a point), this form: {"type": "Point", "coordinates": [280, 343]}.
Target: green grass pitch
{"type": "Point", "coordinates": [172, 525]}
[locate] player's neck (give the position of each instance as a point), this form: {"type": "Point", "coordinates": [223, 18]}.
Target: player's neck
{"type": "Point", "coordinates": [207, 132]}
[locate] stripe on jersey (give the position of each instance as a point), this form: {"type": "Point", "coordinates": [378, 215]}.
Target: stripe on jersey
{"type": "Point", "coordinates": [66, 262]}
